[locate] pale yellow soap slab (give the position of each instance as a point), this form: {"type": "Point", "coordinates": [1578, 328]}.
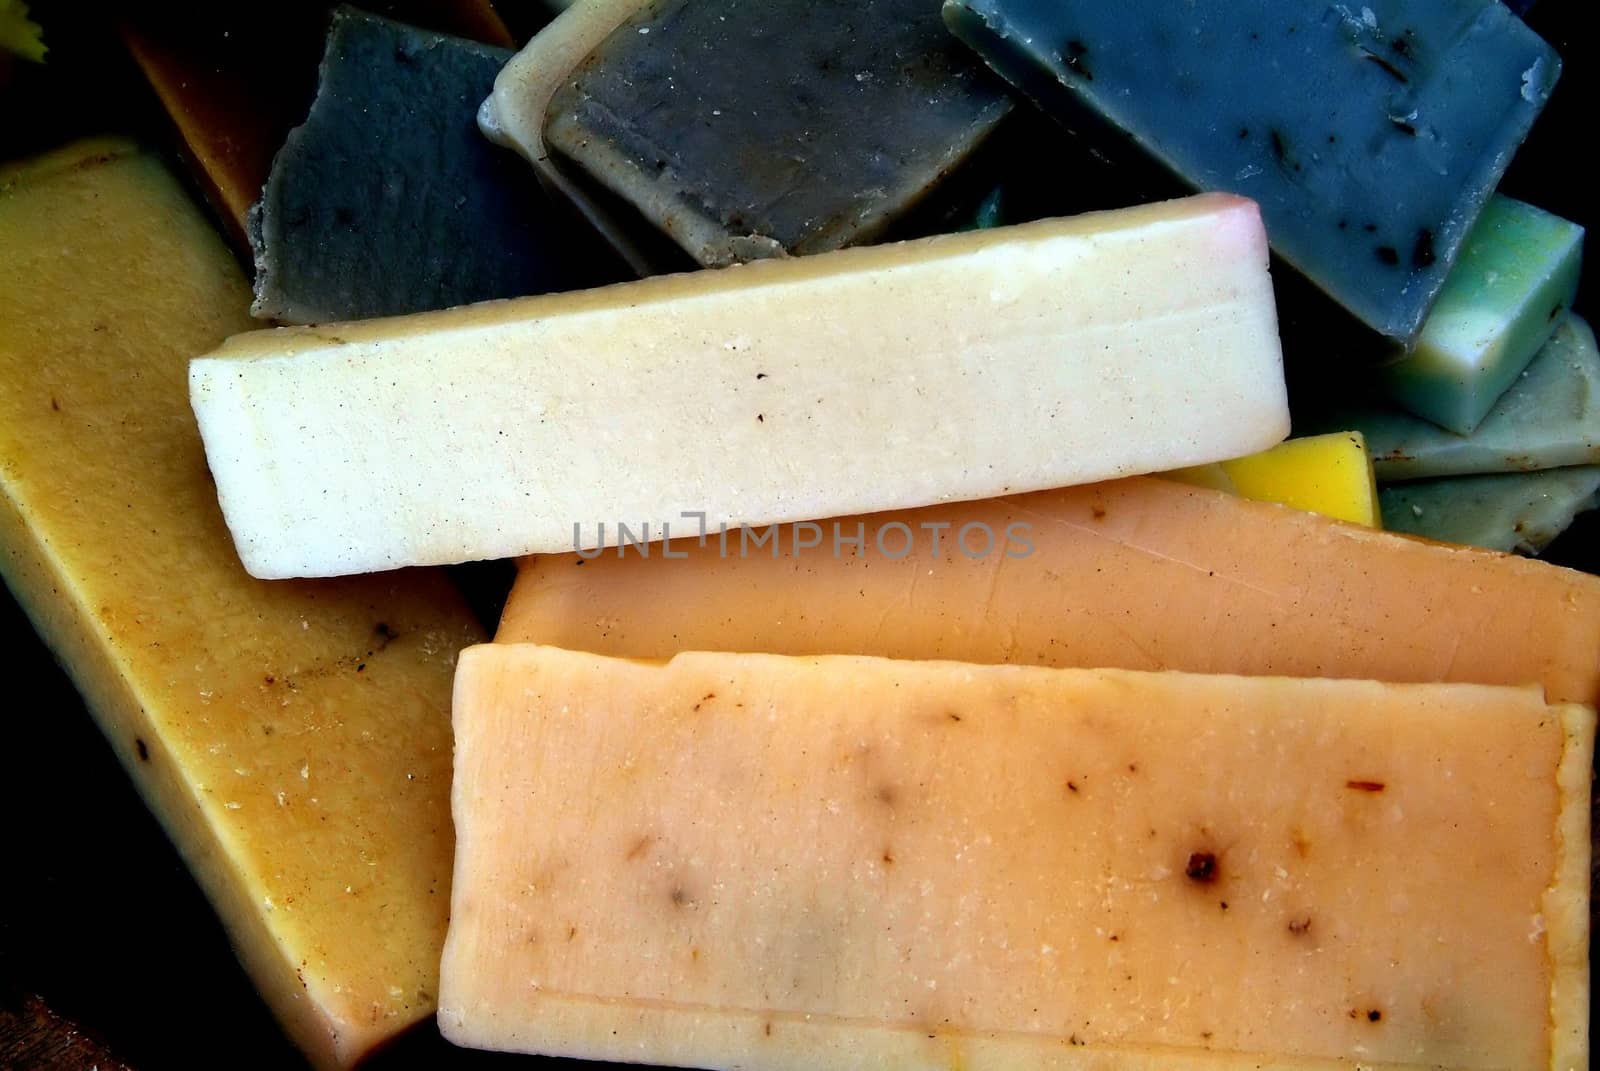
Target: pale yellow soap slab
{"type": "Point", "coordinates": [949, 368]}
{"type": "Point", "coordinates": [781, 863]}
{"type": "Point", "coordinates": [293, 738]}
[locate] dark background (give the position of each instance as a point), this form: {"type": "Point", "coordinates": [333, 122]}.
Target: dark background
{"type": "Point", "coordinates": [99, 920]}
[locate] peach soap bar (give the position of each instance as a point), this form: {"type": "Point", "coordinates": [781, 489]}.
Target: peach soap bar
{"type": "Point", "coordinates": [1142, 574]}
{"type": "Point", "coordinates": [951, 368]}
{"type": "Point", "coordinates": [759, 862]}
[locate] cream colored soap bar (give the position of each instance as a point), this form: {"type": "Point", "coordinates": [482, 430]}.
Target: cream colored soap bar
{"type": "Point", "coordinates": [777, 863]}
{"type": "Point", "coordinates": [951, 368]}
{"type": "Point", "coordinates": [293, 739]}
{"type": "Point", "coordinates": [1139, 574]}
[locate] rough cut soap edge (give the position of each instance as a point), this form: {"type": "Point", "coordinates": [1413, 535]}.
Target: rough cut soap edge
{"type": "Point", "coordinates": [218, 390]}
{"type": "Point", "coordinates": [515, 120]}
{"type": "Point", "coordinates": [116, 708]}
{"type": "Point", "coordinates": [599, 1028]}
{"type": "Point", "coordinates": [1566, 908]}
{"type": "Point", "coordinates": [690, 220]}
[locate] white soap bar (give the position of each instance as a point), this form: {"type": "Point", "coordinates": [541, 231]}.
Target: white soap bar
{"type": "Point", "coordinates": [951, 368]}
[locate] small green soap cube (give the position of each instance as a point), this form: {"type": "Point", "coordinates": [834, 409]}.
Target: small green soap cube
{"type": "Point", "coordinates": [1515, 280]}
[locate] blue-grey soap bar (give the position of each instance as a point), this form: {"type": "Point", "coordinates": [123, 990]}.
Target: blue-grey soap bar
{"type": "Point", "coordinates": [388, 200]}
{"type": "Point", "coordinates": [748, 130]}
{"type": "Point", "coordinates": [1520, 512]}
{"type": "Point", "coordinates": [1371, 133]}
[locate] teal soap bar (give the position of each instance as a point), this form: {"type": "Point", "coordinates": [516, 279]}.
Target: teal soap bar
{"type": "Point", "coordinates": [388, 200]}
{"type": "Point", "coordinates": [1371, 135]}
{"type": "Point", "coordinates": [1550, 418]}
{"type": "Point", "coordinates": [1518, 513]}
{"type": "Point", "coordinates": [787, 127]}
{"type": "Point", "coordinates": [1517, 276]}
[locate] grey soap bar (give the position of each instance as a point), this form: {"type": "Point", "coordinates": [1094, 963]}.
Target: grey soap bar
{"type": "Point", "coordinates": [1519, 512]}
{"type": "Point", "coordinates": [747, 130]}
{"type": "Point", "coordinates": [1371, 133]}
{"type": "Point", "coordinates": [388, 200]}
{"type": "Point", "coordinates": [1550, 418]}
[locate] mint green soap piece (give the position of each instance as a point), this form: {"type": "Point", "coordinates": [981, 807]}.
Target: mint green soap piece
{"type": "Point", "coordinates": [1549, 419]}
{"type": "Point", "coordinates": [1517, 274]}
{"type": "Point", "coordinates": [1520, 512]}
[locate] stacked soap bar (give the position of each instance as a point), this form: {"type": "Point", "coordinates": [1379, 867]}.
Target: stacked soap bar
{"type": "Point", "coordinates": [514, 116]}
{"type": "Point", "coordinates": [1516, 279]}
{"type": "Point", "coordinates": [294, 739]}
{"type": "Point", "coordinates": [1142, 574]}
{"type": "Point", "coordinates": [208, 66]}
{"type": "Point", "coordinates": [874, 378]}
{"type": "Point", "coordinates": [1550, 418]}
{"type": "Point", "coordinates": [1371, 135]}
{"type": "Point", "coordinates": [388, 201]}
{"type": "Point", "coordinates": [793, 126]}
{"type": "Point", "coordinates": [1521, 512]}
{"type": "Point", "coordinates": [754, 861]}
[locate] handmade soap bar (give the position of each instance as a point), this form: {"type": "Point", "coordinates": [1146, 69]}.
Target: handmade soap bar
{"type": "Point", "coordinates": [951, 368]}
{"type": "Point", "coordinates": [1550, 418]}
{"type": "Point", "coordinates": [1371, 135]}
{"type": "Point", "coordinates": [388, 200]}
{"type": "Point", "coordinates": [1139, 574]}
{"type": "Point", "coordinates": [1326, 474]}
{"type": "Point", "coordinates": [1516, 278]}
{"type": "Point", "coordinates": [763, 862]}
{"type": "Point", "coordinates": [791, 126]}
{"type": "Point", "coordinates": [513, 116]}
{"type": "Point", "coordinates": [208, 64]}
{"type": "Point", "coordinates": [293, 739]}
{"type": "Point", "coordinates": [1522, 512]}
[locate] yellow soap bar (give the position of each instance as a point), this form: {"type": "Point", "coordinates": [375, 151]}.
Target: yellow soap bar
{"type": "Point", "coordinates": [1137, 574]}
{"type": "Point", "coordinates": [1327, 474]}
{"type": "Point", "coordinates": [781, 863]}
{"type": "Point", "coordinates": [293, 738]}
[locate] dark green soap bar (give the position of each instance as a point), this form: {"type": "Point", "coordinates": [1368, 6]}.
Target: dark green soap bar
{"type": "Point", "coordinates": [1370, 133]}
{"type": "Point", "coordinates": [388, 200]}
{"type": "Point", "coordinates": [749, 130]}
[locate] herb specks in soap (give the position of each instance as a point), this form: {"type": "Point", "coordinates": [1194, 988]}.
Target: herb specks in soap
{"type": "Point", "coordinates": [1301, 926]}
{"type": "Point", "coordinates": [143, 748]}
{"type": "Point", "coordinates": [1422, 254]}
{"type": "Point", "coordinates": [1281, 151]}
{"type": "Point", "coordinates": [1387, 254]}
{"type": "Point", "coordinates": [1365, 786]}
{"type": "Point", "coordinates": [1388, 68]}
{"type": "Point", "coordinates": [1202, 868]}
{"type": "Point", "coordinates": [1076, 56]}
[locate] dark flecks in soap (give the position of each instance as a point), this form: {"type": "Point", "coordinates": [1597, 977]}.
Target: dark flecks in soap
{"type": "Point", "coordinates": [1365, 786]}
{"type": "Point", "coordinates": [1388, 68]}
{"type": "Point", "coordinates": [708, 697]}
{"type": "Point", "coordinates": [1422, 253]}
{"type": "Point", "coordinates": [680, 897]}
{"type": "Point", "coordinates": [887, 795]}
{"type": "Point", "coordinates": [1370, 228]}
{"type": "Point", "coordinates": [638, 848]}
{"type": "Point", "coordinates": [1300, 926]}
{"type": "Point", "coordinates": [1404, 126]}
{"type": "Point", "coordinates": [1374, 1015]}
{"type": "Point", "coordinates": [1560, 308]}
{"type": "Point", "coordinates": [55, 406]}
{"type": "Point", "coordinates": [1281, 153]}
{"type": "Point", "coordinates": [1387, 254]}
{"type": "Point", "coordinates": [1076, 56]}
{"type": "Point", "coordinates": [144, 749]}
{"type": "Point", "coordinates": [1072, 786]}
{"type": "Point", "coordinates": [1244, 133]}
{"type": "Point", "coordinates": [888, 857]}
{"type": "Point", "coordinates": [1203, 869]}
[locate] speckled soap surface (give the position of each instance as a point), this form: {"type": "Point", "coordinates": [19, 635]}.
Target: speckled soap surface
{"type": "Point", "coordinates": [1371, 134]}
{"type": "Point", "coordinates": [747, 130]}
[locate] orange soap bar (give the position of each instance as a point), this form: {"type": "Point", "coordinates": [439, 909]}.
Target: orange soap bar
{"type": "Point", "coordinates": [1140, 574]}
{"type": "Point", "coordinates": [775, 864]}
